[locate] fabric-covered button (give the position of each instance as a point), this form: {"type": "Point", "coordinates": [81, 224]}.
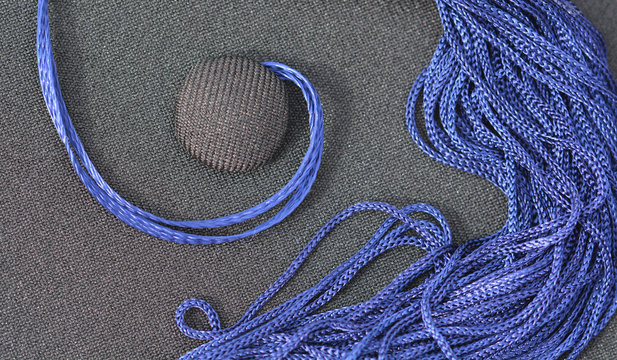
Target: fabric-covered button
{"type": "Point", "coordinates": [231, 113]}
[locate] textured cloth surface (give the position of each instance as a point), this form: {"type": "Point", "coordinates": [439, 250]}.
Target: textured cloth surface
{"type": "Point", "coordinates": [78, 283]}
{"type": "Point", "coordinates": [231, 113]}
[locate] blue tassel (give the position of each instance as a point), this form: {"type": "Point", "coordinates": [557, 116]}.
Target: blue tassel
{"type": "Point", "coordinates": [518, 92]}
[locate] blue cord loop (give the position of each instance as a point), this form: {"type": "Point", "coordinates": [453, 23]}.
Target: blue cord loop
{"type": "Point", "coordinates": [293, 192]}
{"type": "Point", "coordinates": [518, 92]}
{"type": "Point", "coordinates": [213, 319]}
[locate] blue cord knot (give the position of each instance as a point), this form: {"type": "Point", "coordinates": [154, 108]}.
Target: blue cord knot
{"type": "Point", "coordinates": [213, 319]}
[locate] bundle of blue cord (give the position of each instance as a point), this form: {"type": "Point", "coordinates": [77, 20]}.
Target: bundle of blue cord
{"type": "Point", "coordinates": [518, 92]}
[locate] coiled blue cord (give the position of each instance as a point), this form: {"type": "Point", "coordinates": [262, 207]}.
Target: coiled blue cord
{"type": "Point", "coordinates": [294, 191]}
{"type": "Point", "coordinates": [518, 92]}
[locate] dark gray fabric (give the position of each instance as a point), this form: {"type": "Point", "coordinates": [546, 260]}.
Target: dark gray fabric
{"type": "Point", "coordinates": [231, 113]}
{"type": "Point", "coordinates": [78, 283]}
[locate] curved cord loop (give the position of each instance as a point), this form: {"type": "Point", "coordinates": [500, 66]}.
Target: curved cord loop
{"type": "Point", "coordinates": [293, 192]}
{"type": "Point", "coordinates": [208, 310]}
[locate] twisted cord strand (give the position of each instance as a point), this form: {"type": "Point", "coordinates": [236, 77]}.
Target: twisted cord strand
{"type": "Point", "coordinates": [518, 92]}
{"type": "Point", "coordinates": [293, 193]}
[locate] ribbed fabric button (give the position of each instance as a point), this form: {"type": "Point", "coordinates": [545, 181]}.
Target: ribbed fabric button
{"type": "Point", "coordinates": [231, 113]}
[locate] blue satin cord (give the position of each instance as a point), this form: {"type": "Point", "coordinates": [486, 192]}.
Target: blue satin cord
{"type": "Point", "coordinates": [293, 192]}
{"type": "Point", "coordinates": [519, 93]}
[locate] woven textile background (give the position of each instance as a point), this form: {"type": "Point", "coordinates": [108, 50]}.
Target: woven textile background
{"type": "Point", "coordinates": [78, 283]}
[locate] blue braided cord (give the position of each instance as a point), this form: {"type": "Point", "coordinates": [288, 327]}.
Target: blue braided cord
{"type": "Point", "coordinates": [518, 92]}
{"type": "Point", "coordinates": [294, 191]}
